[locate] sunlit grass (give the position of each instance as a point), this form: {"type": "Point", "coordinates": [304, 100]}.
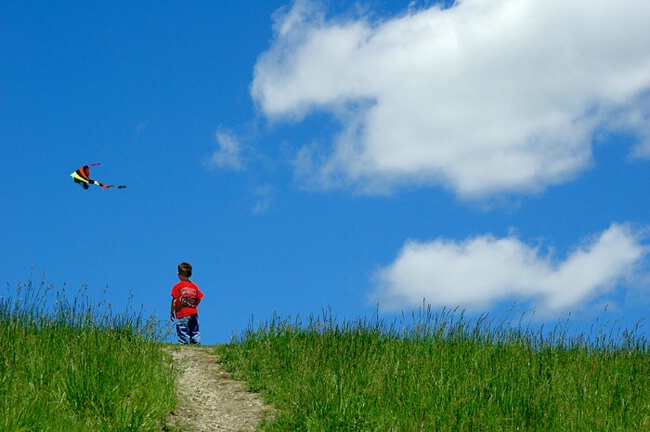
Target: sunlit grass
{"type": "Point", "coordinates": [74, 365]}
{"type": "Point", "coordinates": [443, 371]}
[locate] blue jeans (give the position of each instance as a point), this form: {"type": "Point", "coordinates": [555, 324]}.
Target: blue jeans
{"type": "Point", "coordinates": [187, 329]}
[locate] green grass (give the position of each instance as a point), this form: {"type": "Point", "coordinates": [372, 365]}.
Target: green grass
{"type": "Point", "coordinates": [443, 372]}
{"type": "Point", "coordinates": [76, 366]}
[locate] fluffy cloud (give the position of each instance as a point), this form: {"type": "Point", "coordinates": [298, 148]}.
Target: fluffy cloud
{"type": "Point", "coordinates": [485, 97]}
{"type": "Point", "coordinates": [482, 271]}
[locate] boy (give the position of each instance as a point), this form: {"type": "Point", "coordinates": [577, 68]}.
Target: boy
{"type": "Point", "coordinates": [186, 296]}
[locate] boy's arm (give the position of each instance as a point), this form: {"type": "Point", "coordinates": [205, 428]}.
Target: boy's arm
{"type": "Point", "coordinates": [172, 309]}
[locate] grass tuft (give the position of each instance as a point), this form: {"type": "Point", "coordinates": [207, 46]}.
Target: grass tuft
{"type": "Point", "coordinates": [76, 366]}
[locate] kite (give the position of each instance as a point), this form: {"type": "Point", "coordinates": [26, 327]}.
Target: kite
{"type": "Point", "coordinates": [82, 178]}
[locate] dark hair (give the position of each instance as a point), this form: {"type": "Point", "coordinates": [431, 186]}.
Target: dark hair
{"type": "Point", "coordinates": [185, 269]}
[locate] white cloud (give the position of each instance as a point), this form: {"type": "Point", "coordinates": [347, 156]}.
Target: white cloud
{"type": "Point", "coordinates": [482, 271]}
{"type": "Point", "coordinates": [228, 155]}
{"type": "Point", "coordinates": [639, 121]}
{"type": "Point", "coordinates": [485, 97]}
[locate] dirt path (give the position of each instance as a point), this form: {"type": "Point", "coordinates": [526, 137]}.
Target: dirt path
{"type": "Point", "coordinates": [209, 399]}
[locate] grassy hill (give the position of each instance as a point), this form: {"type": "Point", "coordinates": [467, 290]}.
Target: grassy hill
{"type": "Point", "coordinates": [443, 373]}
{"type": "Point", "coordinates": [76, 366]}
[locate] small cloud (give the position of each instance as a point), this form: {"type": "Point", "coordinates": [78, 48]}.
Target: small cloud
{"type": "Point", "coordinates": [482, 271]}
{"type": "Point", "coordinates": [141, 127]}
{"type": "Point", "coordinates": [228, 155]}
{"type": "Point", "coordinates": [642, 151]}
{"type": "Point", "coordinates": [263, 197]}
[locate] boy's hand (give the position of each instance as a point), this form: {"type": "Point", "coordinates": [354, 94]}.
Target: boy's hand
{"type": "Point", "coordinates": [171, 317]}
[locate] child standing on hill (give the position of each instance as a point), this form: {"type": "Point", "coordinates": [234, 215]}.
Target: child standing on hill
{"type": "Point", "coordinates": [186, 297]}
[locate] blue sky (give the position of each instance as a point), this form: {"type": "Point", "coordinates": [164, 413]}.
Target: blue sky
{"type": "Point", "coordinates": [331, 155]}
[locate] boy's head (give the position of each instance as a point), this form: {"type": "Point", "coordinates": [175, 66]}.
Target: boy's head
{"type": "Point", "coordinates": [184, 270]}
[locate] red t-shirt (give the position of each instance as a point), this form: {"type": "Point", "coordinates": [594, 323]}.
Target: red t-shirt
{"type": "Point", "coordinates": [187, 295]}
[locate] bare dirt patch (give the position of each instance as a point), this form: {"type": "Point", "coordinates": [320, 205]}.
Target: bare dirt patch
{"type": "Point", "coordinates": [209, 399]}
